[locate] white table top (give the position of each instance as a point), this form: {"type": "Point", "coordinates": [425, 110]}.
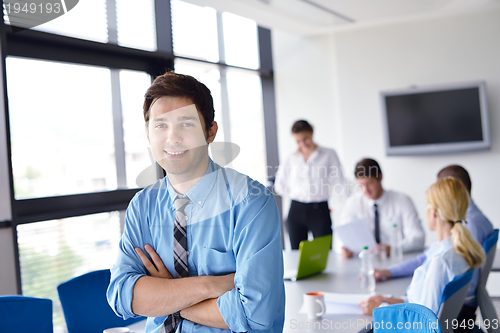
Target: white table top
{"type": "Point", "coordinates": [340, 276]}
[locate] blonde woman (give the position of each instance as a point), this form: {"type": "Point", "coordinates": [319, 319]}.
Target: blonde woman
{"type": "Point", "coordinates": [455, 252]}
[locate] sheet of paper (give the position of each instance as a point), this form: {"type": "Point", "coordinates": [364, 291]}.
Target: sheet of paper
{"type": "Point", "coordinates": [355, 235]}
{"type": "Point", "coordinates": [337, 303]}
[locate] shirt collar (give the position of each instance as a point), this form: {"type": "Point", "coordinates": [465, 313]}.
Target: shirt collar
{"type": "Point", "coordinates": [199, 192]}
{"type": "Point", "coordinates": [313, 154]}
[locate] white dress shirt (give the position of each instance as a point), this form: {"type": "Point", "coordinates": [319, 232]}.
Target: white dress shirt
{"type": "Point", "coordinates": [442, 265]}
{"type": "Point", "coordinates": [313, 180]}
{"type": "Point", "coordinates": [393, 208]}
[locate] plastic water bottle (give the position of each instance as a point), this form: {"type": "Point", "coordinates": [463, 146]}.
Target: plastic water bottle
{"type": "Point", "coordinates": [396, 244]}
{"type": "Point", "coordinates": [366, 273]}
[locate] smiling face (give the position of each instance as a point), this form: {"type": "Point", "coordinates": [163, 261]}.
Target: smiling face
{"type": "Point", "coordinates": [177, 137]}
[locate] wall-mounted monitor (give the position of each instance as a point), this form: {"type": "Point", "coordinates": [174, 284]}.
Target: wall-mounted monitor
{"type": "Point", "coordinates": [436, 119]}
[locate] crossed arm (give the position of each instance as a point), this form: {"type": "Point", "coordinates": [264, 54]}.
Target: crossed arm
{"type": "Point", "coordinates": [195, 297]}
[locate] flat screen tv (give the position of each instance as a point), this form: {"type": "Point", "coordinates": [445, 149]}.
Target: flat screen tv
{"type": "Point", "coordinates": [436, 119]}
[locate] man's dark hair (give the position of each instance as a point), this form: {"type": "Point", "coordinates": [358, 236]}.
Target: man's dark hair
{"type": "Point", "coordinates": [301, 126]}
{"type": "Point", "coordinates": [458, 172]}
{"type": "Point", "coordinates": [184, 86]}
{"type": "Point", "coordinates": [366, 168]}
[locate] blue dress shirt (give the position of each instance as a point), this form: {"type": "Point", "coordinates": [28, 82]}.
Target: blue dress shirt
{"type": "Point", "coordinates": [480, 228]}
{"type": "Point", "coordinates": [440, 267]}
{"type": "Point", "coordinates": [232, 226]}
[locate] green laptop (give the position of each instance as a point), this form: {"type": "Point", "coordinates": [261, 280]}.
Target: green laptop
{"type": "Point", "coordinates": [313, 256]}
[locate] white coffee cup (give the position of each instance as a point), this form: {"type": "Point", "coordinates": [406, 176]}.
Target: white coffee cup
{"type": "Point", "coordinates": [117, 330]}
{"type": "Point", "coordinates": [314, 304]}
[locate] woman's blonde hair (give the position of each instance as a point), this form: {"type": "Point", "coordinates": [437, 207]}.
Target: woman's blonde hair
{"type": "Point", "coordinates": [450, 199]}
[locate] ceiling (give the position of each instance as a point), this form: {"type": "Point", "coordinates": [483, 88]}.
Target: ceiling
{"type": "Point", "coordinates": [312, 17]}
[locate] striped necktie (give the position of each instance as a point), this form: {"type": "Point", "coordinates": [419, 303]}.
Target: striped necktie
{"type": "Point", "coordinates": [180, 257]}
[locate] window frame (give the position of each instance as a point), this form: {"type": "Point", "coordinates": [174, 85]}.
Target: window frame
{"type": "Point", "coordinates": [40, 45]}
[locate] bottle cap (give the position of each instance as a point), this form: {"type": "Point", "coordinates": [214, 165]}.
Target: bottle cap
{"type": "Point", "coordinates": [365, 248]}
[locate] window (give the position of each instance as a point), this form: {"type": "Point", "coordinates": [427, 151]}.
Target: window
{"type": "Point", "coordinates": [194, 31]}
{"type": "Point", "coordinates": [247, 123]}
{"type": "Point", "coordinates": [240, 41]}
{"type": "Point", "coordinates": [133, 85]}
{"type": "Point", "coordinates": [61, 128]}
{"type": "Point", "coordinates": [136, 24]}
{"type": "Point", "coordinates": [87, 20]}
{"type": "Point", "coordinates": [52, 252]}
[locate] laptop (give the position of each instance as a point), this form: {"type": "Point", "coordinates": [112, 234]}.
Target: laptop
{"type": "Point", "coordinates": [313, 256]}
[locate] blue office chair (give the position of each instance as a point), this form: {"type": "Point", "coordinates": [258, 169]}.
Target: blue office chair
{"type": "Point", "coordinates": [405, 317]}
{"type": "Point", "coordinates": [452, 299]}
{"type": "Point", "coordinates": [85, 306]}
{"type": "Point", "coordinates": [483, 299]}
{"type": "Point", "coordinates": [22, 314]}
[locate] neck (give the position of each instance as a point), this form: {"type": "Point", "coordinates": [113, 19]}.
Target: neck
{"type": "Point", "coordinates": [182, 183]}
{"type": "Point", "coordinates": [443, 230]}
{"type": "Point", "coordinates": [308, 151]}
{"type": "Point", "coordinates": [379, 195]}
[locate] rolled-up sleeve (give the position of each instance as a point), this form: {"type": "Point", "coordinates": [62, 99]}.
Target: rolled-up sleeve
{"type": "Point", "coordinates": [128, 268]}
{"type": "Point", "coordinates": [258, 301]}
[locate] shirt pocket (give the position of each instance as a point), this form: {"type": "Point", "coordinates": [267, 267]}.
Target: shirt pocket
{"type": "Point", "coordinates": [215, 262]}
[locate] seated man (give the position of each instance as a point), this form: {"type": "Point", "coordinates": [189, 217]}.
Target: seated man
{"type": "Point", "coordinates": [478, 225]}
{"type": "Point", "coordinates": [211, 233]}
{"type": "Point", "coordinates": [382, 209]}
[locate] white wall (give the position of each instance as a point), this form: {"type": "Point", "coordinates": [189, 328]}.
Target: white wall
{"type": "Point", "coordinates": [334, 81]}
{"type": "Point", "coordinates": [431, 51]}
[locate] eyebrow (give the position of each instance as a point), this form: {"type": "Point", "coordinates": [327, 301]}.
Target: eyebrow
{"type": "Point", "coordinates": [183, 118]}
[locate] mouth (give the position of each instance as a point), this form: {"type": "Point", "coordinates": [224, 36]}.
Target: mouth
{"type": "Point", "coordinates": [175, 153]}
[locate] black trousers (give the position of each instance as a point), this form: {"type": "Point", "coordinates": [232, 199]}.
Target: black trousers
{"type": "Point", "coordinates": [305, 217]}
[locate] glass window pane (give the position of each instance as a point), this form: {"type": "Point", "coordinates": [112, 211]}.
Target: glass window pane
{"type": "Point", "coordinates": [210, 76]}
{"type": "Point", "coordinates": [240, 41]}
{"type": "Point", "coordinates": [133, 86]}
{"type": "Point", "coordinates": [61, 128]}
{"type": "Point", "coordinates": [51, 252]}
{"type": "Point", "coordinates": [87, 20]}
{"type": "Point", "coordinates": [194, 31]}
{"type": "Point", "coordinates": [247, 123]}
{"type": "Point", "coordinates": [136, 24]}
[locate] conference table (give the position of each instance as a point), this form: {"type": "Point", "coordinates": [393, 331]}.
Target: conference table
{"type": "Point", "coordinates": [340, 276]}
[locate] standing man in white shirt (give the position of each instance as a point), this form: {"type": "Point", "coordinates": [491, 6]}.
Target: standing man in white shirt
{"type": "Point", "coordinates": [308, 177]}
{"type": "Point", "coordinates": [382, 209]}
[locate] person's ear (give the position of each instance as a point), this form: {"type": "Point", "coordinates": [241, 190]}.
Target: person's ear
{"type": "Point", "coordinates": [146, 129]}
{"type": "Point", "coordinates": [212, 132]}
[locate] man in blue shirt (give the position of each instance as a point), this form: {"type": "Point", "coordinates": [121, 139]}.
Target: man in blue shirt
{"type": "Point", "coordinates": [231, 227]}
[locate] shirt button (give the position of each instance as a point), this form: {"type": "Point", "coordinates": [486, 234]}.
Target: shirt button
{"type": "Point", "coordinates": [199, 202]}
{"type": "Point", "coordinates": [187, 252]}
{"type": "Point", "coordinates": [186, 218]}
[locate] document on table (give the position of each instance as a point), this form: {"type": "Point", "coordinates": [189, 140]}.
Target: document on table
{"type": "Point", "coordinates": [337, 303]}
{"type": "Point", "coordinates": [355, 235]}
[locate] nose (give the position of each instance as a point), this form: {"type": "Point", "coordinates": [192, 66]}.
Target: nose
{"type": "Point", "coordinates": [174, 136]}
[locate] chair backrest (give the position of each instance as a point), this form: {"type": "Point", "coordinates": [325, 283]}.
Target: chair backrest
{"type": "Point", "coordinates": [484, 302]}
{"type": "Point", "coordinates": [405, 317]}
{"type": "Point", "coordinates": [85, 306]}
{"type": "Point", "coordinates": [22, 314]}
{"type": "Point", "coordinates": [453, 298]}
